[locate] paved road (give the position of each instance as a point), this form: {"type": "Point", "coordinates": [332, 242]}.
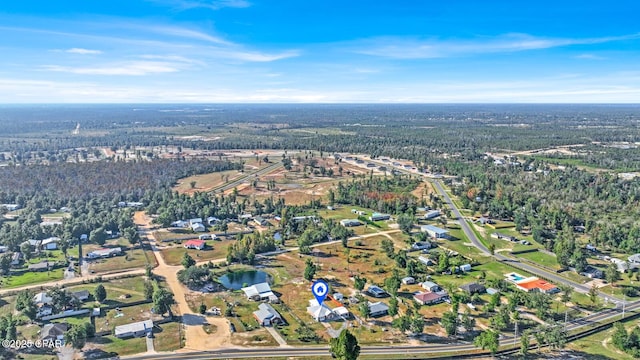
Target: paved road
{"type": "Point", "coordinates": [370, 350]}
{"type": "Point", "coordinates": [471, 235]}
{"type": "Point", "coordinates": [554, 277]}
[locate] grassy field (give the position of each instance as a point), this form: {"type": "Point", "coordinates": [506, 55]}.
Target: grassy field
{"type": "Point", "coordinates": [541, 258]}
{"type": "Point", "coordinates": [168, 337]}
{"type": "Point", "coordinates": [119, 291]}
{"type": "Point", "coordinates": [112, 344]}
{"type": "Point", "coordinates": [215, 250]}
{"type": "Point", "coordinates": [132, 259]}
{"type": "Point", "coordinates": [207, 182]}
{"type": "Point", "coordinates": [599, 345]}
{"type": "Point", "coordinates": [30, 278]}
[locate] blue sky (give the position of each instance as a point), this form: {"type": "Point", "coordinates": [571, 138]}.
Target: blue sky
{"type": "Point", "coordinates": [230, 51]}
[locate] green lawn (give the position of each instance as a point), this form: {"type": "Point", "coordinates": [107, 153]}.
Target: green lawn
{"type": "Point", "coordinates": [541, 258]}
{"type": "Point", "coordinates": [29, 278]}
{"type": "Point", "coordinates": [215, 250]}
{"type": "Point", "coordinates": [599, 344]}
{"type": "Point", "coordinates": [121, 346]}
{"type": "Point", "coordinates": [132, 259]}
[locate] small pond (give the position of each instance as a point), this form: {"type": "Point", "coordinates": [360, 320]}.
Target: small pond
{"type": "Point", "coordinates": [238, 279]}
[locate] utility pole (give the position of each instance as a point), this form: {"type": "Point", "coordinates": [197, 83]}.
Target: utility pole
{"type": "Point", "coordinates": [515, 334]}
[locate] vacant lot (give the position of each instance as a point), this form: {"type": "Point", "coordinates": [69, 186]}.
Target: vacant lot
{"type": "Point", "coordinates": [215, 250]}
{"type": "Point", "coordinates": [132, 259]}
{"type": "Point", "coordinates": [168, 337]}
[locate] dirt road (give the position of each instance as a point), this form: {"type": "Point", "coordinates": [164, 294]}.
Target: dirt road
{"type": "Point", "coordinates": [196, 337]}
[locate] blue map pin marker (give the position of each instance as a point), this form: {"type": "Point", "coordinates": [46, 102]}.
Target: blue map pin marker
{"type": "Point", "coordinates": [320, 290]}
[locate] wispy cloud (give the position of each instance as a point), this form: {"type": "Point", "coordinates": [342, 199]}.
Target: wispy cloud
{"type": "Point", "coordinates": [135, 68]}
{"type": "Point", "coordinates": [415, 48]}
{"type": "Point", "coordinates": [82, 51]}
{"type": "Point", "coordinates": [210, 4]}
{"type": "Point", "coordinates": [590, 57]}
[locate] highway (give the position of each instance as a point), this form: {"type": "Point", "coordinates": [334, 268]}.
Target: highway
{"type": "Point", "coordinates": [471, 235]}
{"type": "Point", "coordinates": [316, 351]}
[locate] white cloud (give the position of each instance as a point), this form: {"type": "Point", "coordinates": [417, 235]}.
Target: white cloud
{"type": "Point", "coordinates": [82, 51]}
{"type": "Point", "coordinates": [415, 48]}
{"type": "Point", "coordinates": [134, 68]}
{"type": "Point", "coordinates": [590, 57]}
{"type": "Point", "coordinates": [210, 4]}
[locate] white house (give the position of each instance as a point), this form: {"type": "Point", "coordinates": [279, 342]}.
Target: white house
{"type": "Point", "coordinates": [258, 291]}
{"type": "Point", "coordinates": [105, 253]}
{"type": "Point", "coordinates": [136, 329]}
{"type": "Point", "coordinates": [42, 298]}
{"type": "Point", "coordinates": [195, 244]}
{"type": "Point", "coordinates": [408, 280]}
{"type": "Point", "coordinates": [465, 267]}
{"type": "Point", "coordinates": [50, 243]}
{"type": "Point", "coordinates": [198, 227]}
{"type": "Point", "coordinates": [431, 214]}
{"type": "Point", "coordinates": [434, 231]}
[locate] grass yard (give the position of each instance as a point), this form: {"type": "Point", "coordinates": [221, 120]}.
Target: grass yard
{"type": "Point", "coordinates": [30, 278]}
{"type": "Point", "coordinates": [541, 258]}
{"type": "Point", "coordinates": [112, 318]}
{"type": "Point", "coordinates": [599, 345]}
{"type": "Point", "coordinates": [111, 344]}
{"type": "Point", "coordinates": [215, 250]}
{"type": "Point", "coordinates": [119, 291]}
{"type": "Point", "coordinates": [168, 337]}
{"type": "Point", "coordinates": [132, 259]}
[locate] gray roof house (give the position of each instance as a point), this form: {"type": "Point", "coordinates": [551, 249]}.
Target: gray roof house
{"type": "Point", "coordinates": [266, 315]}
{"type": "Point", "coordinates": [473, 288]}
{"type": "Point", "coordinates": [53, 331]}
{"type": "Point", "coordinates": [82, 295]}
{"type": "Point", "coordinates": [378, 309]}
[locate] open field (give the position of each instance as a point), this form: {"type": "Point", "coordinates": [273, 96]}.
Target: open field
{"type": "Point", "coordinates": [132, 259]}
{"type": "Point", "coordinates": [119, 291]}
{"type": "Point", "coordinates": [29, 278]}
{"type": "Point", "coordinates": [215, 250]}
{"type": "Point", "coordinates": [113, 345]}
{"type": "Point", "coordinates": [167, 337]}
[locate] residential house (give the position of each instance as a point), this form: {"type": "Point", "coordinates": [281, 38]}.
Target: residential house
{"type": "Point", "coordinates": [350, 222]}
{"type": "Point", "coordinates": [198, 227]}
{"type": "Point", "coordinates": [82, 295]}
{"type": "Point", "coordinates": [266, 315]}
{"type": "Point", "coordinates": [136, 329]}
{"type": "Point", "coordinates": [195, 244]}
{"type": "Point", "coordinates": [180, 224]}
{"type": "Point", "coordinates": [3, 249]}
{"type": "Point", "coordinates": [409, 280]}
{"type": "Point", "coordinates": [42, 298]}
{"type": "Point", "coordinates": [425, 260]}
{"type": "Point", "coordinates": [465, 267]}
{"type": "Point", "coordinates": [500, 236]}
{"type": "Point", "coordinates": [322, 312]}
{"type": "Point", "coordinates": [535, 284]}
{"type": "Point", "coordinates": [430, 298]}
{"type": "Point", "coordinates": [634, 259]}
{"type": "Point", "coordinates": [377, 309]}
{"type": "Point", "coordinates": [212, 220]}
{"type": "Point", "coordinates": [205, 236]}
{"type": "Point", "coordinates": [16, 259]}
{"type": "Point", "coordinates": [53, 331]}
{"type": "Point", "coordinates": [431, 214]}
{"type": "Point", "coordinates": [258, 292]}
{"type": "Point", "coordinates": [376, 291]}
{"type": "Point", "coordinates": [434, 231]}
{"type": "Point", "coordinates": [379, 217]}
{"type": "Point", "coordinates": [260, 221]}
{"type": "Point", "coordinates": [473, 288]}
{"type": "Point", "coordinates": [431, 286]}
{"type": "Point", "coordinates": [105, 253]}
{"type": "Point", "coordinates": [420, 245]}
{"type": "Point", "coordinates": [592, 273]}
{"type": "Point", "coordinates": [195, 221]}
{"type": "Point", "coordinates": [50, 243]}
{"type": "Point", "coordinates": [41, 266]}
{"type": "Point", "coordinates": [10, 207]}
